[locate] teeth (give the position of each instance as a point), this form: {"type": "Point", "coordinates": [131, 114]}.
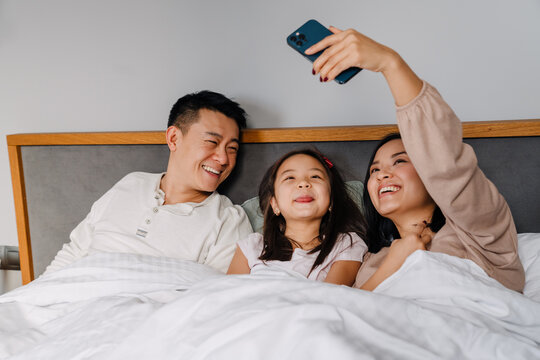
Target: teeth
{"type": "Point", "coordinates": [212, 170]}
{"type": "Point", "coordinates": [388, 189]}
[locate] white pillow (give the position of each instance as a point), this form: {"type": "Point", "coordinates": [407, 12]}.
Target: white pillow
{"type": "Point", "coordinates": [529, 253]}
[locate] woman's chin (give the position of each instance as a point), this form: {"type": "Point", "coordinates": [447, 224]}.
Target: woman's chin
{"type": "Point", "coordinates": [386, 211]}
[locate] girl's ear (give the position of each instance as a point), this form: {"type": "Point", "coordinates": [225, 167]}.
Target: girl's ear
{"type": "Point", "coordinates": [173, 136]}
{"type": "Point", "coordinates": [274, 205]}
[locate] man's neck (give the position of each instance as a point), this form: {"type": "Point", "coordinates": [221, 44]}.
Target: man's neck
{"type": "Point", "coordinates": [175, 194]}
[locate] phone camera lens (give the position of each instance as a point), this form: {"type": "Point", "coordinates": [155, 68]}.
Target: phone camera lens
{"type": "Point", "coordinates": [299, 43]}
{"type": "Point", "coordinates": [293, 38]}
{"type": "Point", "coordinates": [302, 37]}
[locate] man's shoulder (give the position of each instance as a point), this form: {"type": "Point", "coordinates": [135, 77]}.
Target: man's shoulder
{"type": "Point", "coordinates": [223, 200]}
{"type": "Point", "coordinates": [139, 177]}
{"type": "Point", "coordinates": [226, 206]}
{"type": "Point", "coordinates": [219, 208]}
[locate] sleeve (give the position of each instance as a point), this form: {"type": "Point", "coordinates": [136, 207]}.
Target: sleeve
{"type": "Point", "coordinates": [348, 251]}
{"type": "Point", "coordinates": [251, 247]}
{"type": "Point", "coordinates": [81, 237]}
{"type": "Point", "coordinates": [235, 225]}
{"type": "Point", "coordinates": [472, 205]}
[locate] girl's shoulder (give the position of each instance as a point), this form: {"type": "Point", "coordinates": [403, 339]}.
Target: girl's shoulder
{"type": "Point", "coordinates": [253, 241]}
{"type": "Point", "coordinates": [350, 242]}
{"type": "Point", "coordinates": [251, 247]}
{"type": "Point", "coordinates": [350, 236]}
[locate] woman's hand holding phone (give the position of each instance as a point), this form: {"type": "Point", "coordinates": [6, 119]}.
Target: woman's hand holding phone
{"type": "Point", "coordinates": [349, 48]}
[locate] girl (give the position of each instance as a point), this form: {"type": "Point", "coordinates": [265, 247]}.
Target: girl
{"type": "Point", "coordinates": [311, 224]}
{"type": "Point", "coordinates": [423, 189]}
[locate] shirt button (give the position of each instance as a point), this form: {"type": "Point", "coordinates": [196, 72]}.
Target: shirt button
{"type": "Point", "coordinates": [155, 209]}
{"type": "Point", "coordinates": [148, 221]}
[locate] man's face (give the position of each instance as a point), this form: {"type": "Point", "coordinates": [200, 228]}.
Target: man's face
{"type": "Point", "coordinates": [206, 154]}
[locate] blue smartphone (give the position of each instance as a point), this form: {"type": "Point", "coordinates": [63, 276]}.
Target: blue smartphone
{"type": "Point", "coordinates": [309, 34]}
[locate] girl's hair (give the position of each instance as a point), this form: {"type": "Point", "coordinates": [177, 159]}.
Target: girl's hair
{"type": "Point", "coordinates": [344, 216]}
{"type": "Point", "coordinates": [380, 230]}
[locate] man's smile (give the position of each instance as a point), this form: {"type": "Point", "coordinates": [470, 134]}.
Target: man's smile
{"type": "Point", "coordinates": [211, 170]}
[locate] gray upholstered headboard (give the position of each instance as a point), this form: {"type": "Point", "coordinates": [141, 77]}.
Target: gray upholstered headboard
{"type": "Point", "coordinates": [57, 177]}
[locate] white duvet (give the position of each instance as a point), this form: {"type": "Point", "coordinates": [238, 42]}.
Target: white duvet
{"type": "Point", "coordinates": [119, 306]}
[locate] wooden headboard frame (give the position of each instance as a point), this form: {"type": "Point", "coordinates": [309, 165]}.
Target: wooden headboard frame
{"type": "Point", "coordinates": [481, 129]}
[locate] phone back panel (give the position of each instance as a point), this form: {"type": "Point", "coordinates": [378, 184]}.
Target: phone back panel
{"type": "Point", "coordinates": [309, 34]}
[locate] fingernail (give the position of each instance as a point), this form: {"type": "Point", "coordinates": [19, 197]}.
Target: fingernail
{"type": "Point", "coordinates": [313, 71]}
{"type": "Point", "coordinates": [320, 79]}
{"type": "Point", "coordinates": [325, 79]}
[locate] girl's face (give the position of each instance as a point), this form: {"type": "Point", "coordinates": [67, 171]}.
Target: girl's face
{"type": "Point", "coordinates": [301, 188]}
{"type": "Point", "coordinates": [394, 185]}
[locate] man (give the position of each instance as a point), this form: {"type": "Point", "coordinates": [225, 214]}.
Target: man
{"type": "Point", "coordinates": [177, 214]}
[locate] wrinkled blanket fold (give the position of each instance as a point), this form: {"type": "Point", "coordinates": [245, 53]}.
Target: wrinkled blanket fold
{"type": "Point", "coordinates": [121, 306]}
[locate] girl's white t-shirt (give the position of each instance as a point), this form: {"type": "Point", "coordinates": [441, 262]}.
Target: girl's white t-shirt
{"type": "Point", "coordinates": [301, 261]}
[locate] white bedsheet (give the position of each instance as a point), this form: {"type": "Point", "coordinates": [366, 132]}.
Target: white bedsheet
{"type": "Point", "coordinates": [119, 306]}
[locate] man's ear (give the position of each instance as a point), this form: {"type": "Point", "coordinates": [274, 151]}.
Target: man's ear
{"type": "Point", "coordinates": [174, 136]}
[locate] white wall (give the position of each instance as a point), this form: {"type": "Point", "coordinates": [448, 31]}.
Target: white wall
{"type": "Point", "coordinates": [111, 65]}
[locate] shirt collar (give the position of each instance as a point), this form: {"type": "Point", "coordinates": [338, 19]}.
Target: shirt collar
{"type": "Point", "coordinates": [178, 208]}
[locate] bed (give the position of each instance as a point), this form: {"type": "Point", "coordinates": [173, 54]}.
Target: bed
{"type": "Point", "coordinates": [132, 306]}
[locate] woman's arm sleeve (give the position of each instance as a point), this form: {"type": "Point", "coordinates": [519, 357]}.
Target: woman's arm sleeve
{"type": "Point", "coordinates": [472, 205]}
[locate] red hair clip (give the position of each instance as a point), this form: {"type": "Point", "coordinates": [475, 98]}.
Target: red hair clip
{"type": "Point", "coordinates": [328, 162]}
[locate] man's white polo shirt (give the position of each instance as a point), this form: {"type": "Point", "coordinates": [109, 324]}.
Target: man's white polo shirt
{"type": "Point", "coordinates": [131, 218]}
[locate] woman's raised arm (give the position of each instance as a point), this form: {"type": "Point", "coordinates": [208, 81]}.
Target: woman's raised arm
{"type": "Point", "coordinates": [349, 48]}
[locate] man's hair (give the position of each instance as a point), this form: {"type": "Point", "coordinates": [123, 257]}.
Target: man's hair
{"type": "Point", "coordinates": [344, 218]}
{"type": "Point", "coordinates": [186, 110]}
{"type": "Point", "coordinates": [380, 230]}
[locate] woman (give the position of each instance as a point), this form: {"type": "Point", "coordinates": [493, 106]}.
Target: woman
{"type": "Point", "coordinates": [423, 188]}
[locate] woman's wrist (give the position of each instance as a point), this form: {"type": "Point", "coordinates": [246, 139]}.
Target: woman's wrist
{"type": "Point", "coordinates": [404, 84]}
{"type": "Point", "coordinates": [392, 64]}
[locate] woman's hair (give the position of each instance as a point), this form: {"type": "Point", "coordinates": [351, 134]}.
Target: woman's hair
{"type": "Point", "coordinates": [344, 216]}
{"type": "Point", "coordinates": [380, 230]}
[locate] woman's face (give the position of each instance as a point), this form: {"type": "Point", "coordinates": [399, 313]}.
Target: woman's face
{"type": "Point", "coordinates": [301, 188]}
{"type": "Point", "coordinates": [394, 185]}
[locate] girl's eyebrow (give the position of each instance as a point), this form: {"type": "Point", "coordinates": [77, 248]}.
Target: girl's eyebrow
{"type": "Point", "coordinates": [290, 170]}
{"type": "Point", "coordinates": [393, 156]}
{"type": "Point", "coordinates": [286, 171]}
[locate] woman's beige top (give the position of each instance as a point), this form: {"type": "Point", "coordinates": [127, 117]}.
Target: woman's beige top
{"type": "Point", "coordinates": [479, 225]}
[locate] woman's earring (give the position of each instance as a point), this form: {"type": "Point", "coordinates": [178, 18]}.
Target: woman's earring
{"type": "Point", "coordinates": [276, 212]}
{"type": "Point", "coordinates": [329, 209]}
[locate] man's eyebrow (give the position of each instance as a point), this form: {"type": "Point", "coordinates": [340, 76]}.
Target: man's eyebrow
{"type": "Point", "coordinates": [214, 134]}
{"type": "Point", "coordinates": [394, 155]}
{"type": "Point", "coordinates": [211, 133]}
